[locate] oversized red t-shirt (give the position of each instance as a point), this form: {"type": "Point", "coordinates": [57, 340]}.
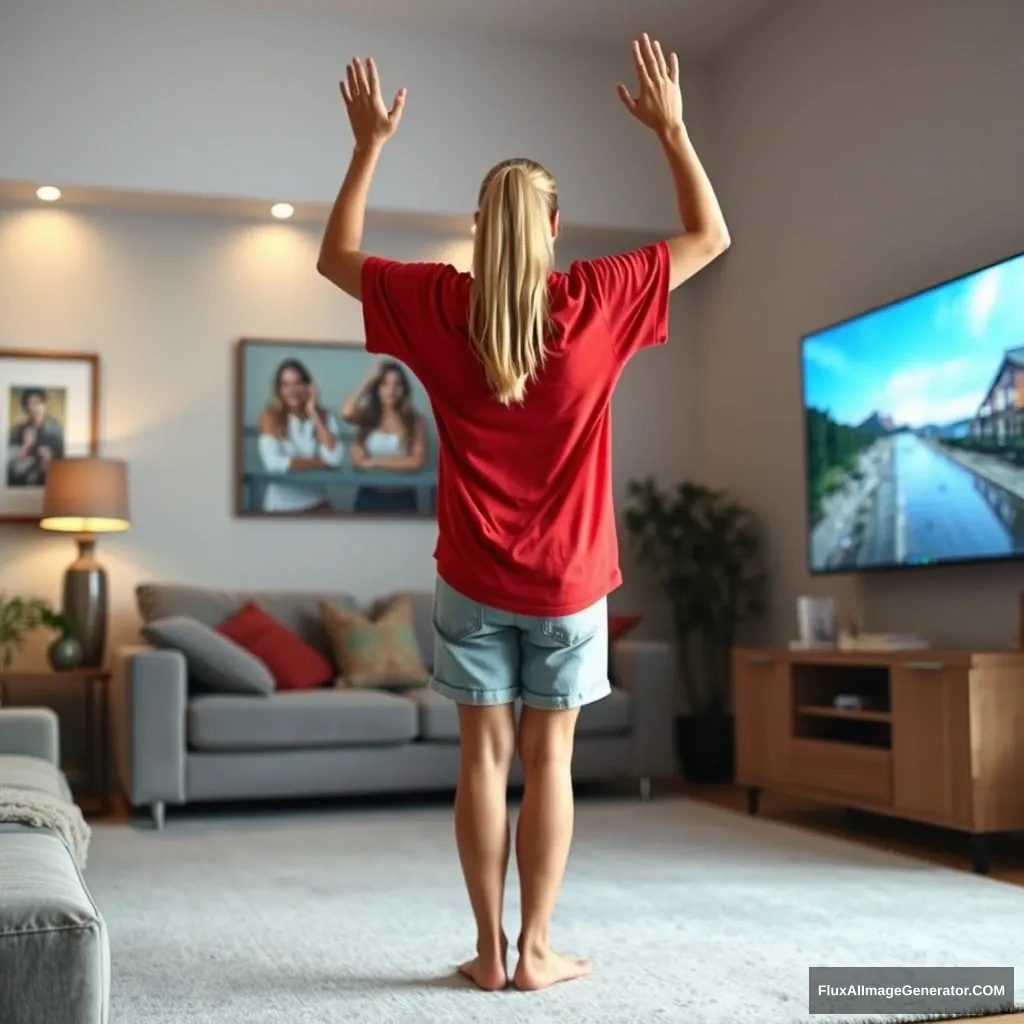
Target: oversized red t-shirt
{"type": "Point", "coordinates": [524, 504]}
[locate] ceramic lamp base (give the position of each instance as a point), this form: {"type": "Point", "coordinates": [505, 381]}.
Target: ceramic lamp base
{"type": "Point", "coordinates": [85, 602]}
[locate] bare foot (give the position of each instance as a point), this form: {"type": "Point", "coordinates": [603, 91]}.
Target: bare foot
{"type": "Point", "coordinates": [489, 973]}
{"type": "Point", "coordinates": [534, 972]}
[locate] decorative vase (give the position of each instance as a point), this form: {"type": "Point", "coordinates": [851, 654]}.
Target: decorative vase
{"type": "Point", "coordinates": [64, 654]}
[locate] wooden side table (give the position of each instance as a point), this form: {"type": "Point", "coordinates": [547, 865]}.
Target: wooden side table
{"type": "Point", "coordinates": [96, 685]}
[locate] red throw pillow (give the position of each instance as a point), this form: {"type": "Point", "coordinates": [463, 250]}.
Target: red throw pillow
{"type": "Point", "coordinates": [291, 661]}
{"type": "Point", "coordinates": [620, 625]}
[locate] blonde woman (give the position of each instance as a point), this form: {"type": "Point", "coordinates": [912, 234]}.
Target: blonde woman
{"type": "Point", "coordinates": [297, 435]}
{"type": "Point", "coordinates": [520, 363]}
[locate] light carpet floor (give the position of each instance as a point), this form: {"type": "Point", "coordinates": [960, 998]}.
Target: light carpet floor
{"type": "Point", "coordinates": [691, 914]}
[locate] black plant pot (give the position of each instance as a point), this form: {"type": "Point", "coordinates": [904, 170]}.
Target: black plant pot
{"type": "Point", "coordinates": [704, 744]}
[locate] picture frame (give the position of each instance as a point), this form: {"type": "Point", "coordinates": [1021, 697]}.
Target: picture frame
{"type": "Point", "coordinates": [49, 408]}
{"type": "Point", "coordinates": [325, 429]}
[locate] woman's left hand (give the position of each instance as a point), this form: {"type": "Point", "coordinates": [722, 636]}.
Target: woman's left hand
{"type": "Point", "coordinates": [372, 123]}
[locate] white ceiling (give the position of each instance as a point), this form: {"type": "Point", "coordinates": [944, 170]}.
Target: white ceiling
{"type": "Point", "coordinates": [693, 28]}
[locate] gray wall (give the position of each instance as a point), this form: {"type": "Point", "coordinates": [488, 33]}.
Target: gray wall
{"type": "Point", "coordinates": [100, 94]}
{"type": "Point", "coordinates": [865, 150]}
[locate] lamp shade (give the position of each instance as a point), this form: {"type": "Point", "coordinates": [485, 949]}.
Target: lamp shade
{"type": "Point", "coordinates": [87, 495]}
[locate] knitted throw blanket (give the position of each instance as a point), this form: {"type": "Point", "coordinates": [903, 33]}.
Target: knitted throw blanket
{"type": "Point", "coordinates": [42, 810]}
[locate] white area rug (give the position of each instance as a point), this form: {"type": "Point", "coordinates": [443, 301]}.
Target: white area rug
{"type": "Point", "coordinates": [690, 914]}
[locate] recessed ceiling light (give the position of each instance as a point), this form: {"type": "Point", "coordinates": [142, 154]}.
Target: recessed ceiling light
{"type": "Point", "coordinates": [282, 211]}
{"type": "Point", "coordinates": [48, 193]}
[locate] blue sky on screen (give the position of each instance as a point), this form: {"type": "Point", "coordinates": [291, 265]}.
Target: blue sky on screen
{"type": "Point", "coordinates": [926, 360]}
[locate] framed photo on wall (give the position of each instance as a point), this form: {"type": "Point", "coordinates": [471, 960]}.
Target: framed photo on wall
{"type": "Point", "coordinates": [49, 409]}
{"type": "Point", "coordinates": [326, 429]}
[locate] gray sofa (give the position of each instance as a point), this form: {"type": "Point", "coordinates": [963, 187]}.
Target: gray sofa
{"type": "Point", "coordinates": [175, 744]}
{"type": "Point", "coordinates": [54, 947]}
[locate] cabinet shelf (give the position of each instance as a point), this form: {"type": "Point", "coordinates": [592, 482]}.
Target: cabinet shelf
{"type": "Point", "coordinates": [850, 714]}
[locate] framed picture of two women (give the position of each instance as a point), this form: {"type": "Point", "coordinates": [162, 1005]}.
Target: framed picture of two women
{"type": "Point", "coordinates": [326, 429]}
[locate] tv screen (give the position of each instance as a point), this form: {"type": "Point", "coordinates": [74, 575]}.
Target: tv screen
{"type": "Point", "coordinates": [914, 428]}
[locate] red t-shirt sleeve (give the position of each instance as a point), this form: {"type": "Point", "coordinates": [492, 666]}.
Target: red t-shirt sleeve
{"type": "Point", "coordinates": [406, 305]}
{"type": "Point", "coordinates": [632, 290]}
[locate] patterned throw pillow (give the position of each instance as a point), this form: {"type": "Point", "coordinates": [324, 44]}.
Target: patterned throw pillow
{"type": "Point", "coordinates": [379, 653]}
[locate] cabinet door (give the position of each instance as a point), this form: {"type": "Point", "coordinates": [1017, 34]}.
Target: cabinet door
{"type": "Point", "coordinates": [763, 716]}
{"type": "Point", "coordinates": [931, 742]}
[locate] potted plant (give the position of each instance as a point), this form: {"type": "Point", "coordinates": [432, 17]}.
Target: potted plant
{"type": "Point", "coordinates": [21, 616]}
{"type": "Point", "coordinates": [65, 652]}
{"type": "Point", "coordinates": [705, 550]}
{"type": "Point", "coordinates": [18, 618]}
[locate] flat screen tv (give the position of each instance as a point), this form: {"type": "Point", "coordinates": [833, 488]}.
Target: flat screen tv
{"type": "Point", "coordinates": [914, 428]}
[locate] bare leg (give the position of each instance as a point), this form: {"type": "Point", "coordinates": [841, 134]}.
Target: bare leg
{"type": "Point", "coordinates": [543, 838]}
{"type": "Point", "coordinates": [482, 833]}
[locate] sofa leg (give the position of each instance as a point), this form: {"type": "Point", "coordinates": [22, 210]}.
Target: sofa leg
{"type": "Point", "coordinates": [645, 788]}
{"type": "Point", "coordinates": [157, 812]}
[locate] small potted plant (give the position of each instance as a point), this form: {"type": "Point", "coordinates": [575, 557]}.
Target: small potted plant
{"type": "Point", "coordinates": [704, 550]}
{"type": "Point", "coordinates": [18, 618]}
{"type": "Point", "coordinates": [65, 652]}
{"type": "Point", "coordinates": [21, 616]}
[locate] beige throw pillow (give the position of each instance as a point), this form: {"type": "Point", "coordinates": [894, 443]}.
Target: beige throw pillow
{"type": "Point", "coordinates": [379, 653]}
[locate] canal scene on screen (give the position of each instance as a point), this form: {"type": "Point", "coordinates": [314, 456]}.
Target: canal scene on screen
{"type": "Point", "coordinates": [914, 428]}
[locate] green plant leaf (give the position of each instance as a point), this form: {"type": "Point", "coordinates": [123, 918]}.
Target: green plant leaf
{"type": "Point", "coordinates": [18, 618]}
{"type": "Point", "coordinates": [704, 551]}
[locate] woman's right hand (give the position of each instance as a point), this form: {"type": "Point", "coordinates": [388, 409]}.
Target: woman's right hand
{"type": "Point", "coordinates": [659, 105]}
{"type": "Point", "coordinates": [372, 122]}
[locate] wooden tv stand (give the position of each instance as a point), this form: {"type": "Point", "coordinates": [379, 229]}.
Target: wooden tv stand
{"type": "Point", "coordinates": [938, 736]}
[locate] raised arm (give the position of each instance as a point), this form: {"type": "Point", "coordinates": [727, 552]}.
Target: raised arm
{"type": "Point", "coordinates": [274, 456]}
{"type": "Point", "coordinates": [341, 259]}
{"type": "Point", "coordinates": [659, 106]}
{"type": "Point", "coordinates": [331, 450]}
{"type": "Point", "coordinates": [350, 407]}
{"type": "Point", "coordinates": [325, 428]}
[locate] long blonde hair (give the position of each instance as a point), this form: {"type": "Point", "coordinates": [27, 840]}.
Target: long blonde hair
{"type": "Point", "coordinates": [513, 255]}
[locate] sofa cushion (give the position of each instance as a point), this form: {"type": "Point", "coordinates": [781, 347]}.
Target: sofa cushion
{"type": "Point", "coordinates": [439, 717]}
{"type": "Point", "coordinates": [611, 716]}
{"type": "Point", "coordinates": [291, 661]}
{"type": "Point", "coordinates": [33, 773]}
{"type": "Point", "coordinates": [55, 959]}
{"type": "Point", "coordinates": [296, 610]}
{"type": "Point", "coordinates": [294, 720]}
{"type": "Point", "coordinates": [214, 661]}
{"type": "Point", "coordinates": [377, 653]}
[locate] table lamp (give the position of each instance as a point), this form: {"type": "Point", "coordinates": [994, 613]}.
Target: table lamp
{"type": "Point", "coordinates": [86, 496]}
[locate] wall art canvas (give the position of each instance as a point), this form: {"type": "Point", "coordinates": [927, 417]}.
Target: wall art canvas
{"type": "Point", "coordinates": [326, 429]}
{"type": "Point", "coordinates": [49, 409]}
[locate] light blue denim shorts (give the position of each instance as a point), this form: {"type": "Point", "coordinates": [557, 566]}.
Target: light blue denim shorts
{"type": "Point", "coordinates": [484, 656]}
